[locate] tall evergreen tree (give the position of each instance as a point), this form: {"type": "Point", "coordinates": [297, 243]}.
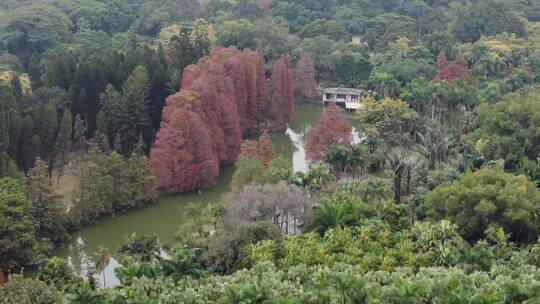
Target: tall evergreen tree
{"type": "Point", "coordinates": [134, 117]}
{"type": "Point", "coordinates": [17, 232]}
{"type": "Point", "coordinates": [90, 195]}
{"type": "Point", "coordinates": [110, 115]}
{"type": "Point", "coordinates": [49, 209]}
{"type": "Point", "coordinates": [63, 144]}
{"type": "Point", "coordinates": [80, 141]}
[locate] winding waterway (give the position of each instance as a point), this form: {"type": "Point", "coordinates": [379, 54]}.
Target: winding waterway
{"type": "Point", "coordinates": [165, 217]}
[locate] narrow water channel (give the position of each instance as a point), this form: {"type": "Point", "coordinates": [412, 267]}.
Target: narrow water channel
{"type": "Point", "coordinates": [165, 217]}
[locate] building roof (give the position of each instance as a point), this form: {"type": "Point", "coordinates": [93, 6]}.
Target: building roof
{"type": "Point", "coordinates": [343, 91]}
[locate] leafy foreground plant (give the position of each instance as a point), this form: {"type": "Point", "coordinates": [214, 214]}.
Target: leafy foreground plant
{"type": "Point", "coordinates": [341, 283]}
{"type": "Point", "coordinates": [374, 262]}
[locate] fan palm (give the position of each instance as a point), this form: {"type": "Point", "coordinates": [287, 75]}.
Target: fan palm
{"type": "Point", "coordinates": [146, 248]}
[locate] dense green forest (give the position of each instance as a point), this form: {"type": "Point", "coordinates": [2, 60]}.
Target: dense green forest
{"type": "Point", "coordinates": [105, 105]}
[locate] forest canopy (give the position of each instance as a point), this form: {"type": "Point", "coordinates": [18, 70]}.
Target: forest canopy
{"type": "Point", "coordinates": [427, 193]}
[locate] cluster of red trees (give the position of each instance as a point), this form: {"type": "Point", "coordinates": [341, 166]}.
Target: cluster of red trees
{"type": "Point", "coordinates": [331, 129]}
{"type": "Point", "coordinates": [222, 98]}
{"type": "Point", "coordinates": [450, 70]}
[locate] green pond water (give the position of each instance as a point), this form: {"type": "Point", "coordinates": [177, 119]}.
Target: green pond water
{"type": "Point", "coordinates": [165, 216]}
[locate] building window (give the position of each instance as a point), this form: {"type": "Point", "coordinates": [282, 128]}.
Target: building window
{"type": "Point", "coordinates": [354, 97]}
{"type": "Point", "coordinates": [328, 96]}
{"type": "Point", "coordinates": [341, 96]}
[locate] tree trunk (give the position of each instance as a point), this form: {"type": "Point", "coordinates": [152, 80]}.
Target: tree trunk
{"type": "Point", "coordinates": [287, 223]}
{"type": "Point", "coordinates": [408, 182]}
{"type": "Point", "coordinates": [60, 174]}
{"type": "Point", "coordinates": [397, 189]}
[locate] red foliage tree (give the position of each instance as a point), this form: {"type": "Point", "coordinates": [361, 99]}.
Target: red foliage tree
{"type": "Point", "coordinates": [450, 70]}
{"type": "Point", "coordinates": [262, 88]}
{"type": "Point", "coordinates": [236, 68]}
{"type": "Point", "coordinates": [282, 92]}
{"type": "Point", "coordinates": [331, 129]}
{"type": "Point", "coordinates": [222, 119]}
{"type": "Point", "coordinates": [221, 98]}
{"type": "Point", "coordinates": [230, 124]}
{"type": "Point", "coordinates": [266, 150]}
{"type": "Point", "coordinates": [305, 82]}
{"type": "Point", "coordinates": [257, 91]}
{"type": "Point", "coordinates": [182, 157]}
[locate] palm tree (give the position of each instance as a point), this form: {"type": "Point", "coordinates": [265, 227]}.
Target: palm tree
{"type": "Point", "coordinates": [302, 180]}
{"type": "Point", "coordinates": [338, 211]}
{"type": "Point", "coordinates": [337, 157]}
{"type": "Point", "coordinates": [411, 164]}
{"type": "Point", "coordinates": [395, 163]}
{"type": "Point", "coordinates": [317, 178]}
{"type": "Point", "coordinates": [434, 145]}
{"type": "Point", "coordinates": [147, 247]}
{"type": "Point", "coordinates": [357, 159]}
{"type": "Point", "coordinates": [377, 192]}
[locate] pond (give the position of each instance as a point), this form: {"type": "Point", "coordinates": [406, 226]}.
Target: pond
{"type": "Point", "coordinates": [165, 217]}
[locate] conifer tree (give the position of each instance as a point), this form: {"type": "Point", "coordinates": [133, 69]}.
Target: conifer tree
{"type": "Point", "coordinates": [224, 94]}
{"type": "Point", "coordinates": [79, 134]}
{"type": "Point", "coordinates": [282, 92]}
{"type": "Point", "coordinates": [305, 82]}
{"type": "Point", "coordinates": [331, 129]}
{"type": "Point", "coordinates": [266, 149]}
{"type": "Point", "coordinates": [17, 227]}
{"type": "Point", "coordinates": [45, 123]}
{"type": "Point", "coordinates": [49, 209]}
{"type": "Point", "coordinates": [182, 157]}
{"type": "Point", "coordinates": [63, 144]}
{"type": "Point", "coordinates": [134, 118]}
{"type": "Point", "coordinates": [90, 195]}
{"type": "Point", "coordinates": [141, 180]}
{"type": "Point", "coordinates": [110, 114]}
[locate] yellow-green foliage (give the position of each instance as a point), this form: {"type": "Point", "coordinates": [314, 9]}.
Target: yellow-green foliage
{"type": "Point", "coordinates": [372, 246]}
{"type": "Point", "coordinates": [26, 84]}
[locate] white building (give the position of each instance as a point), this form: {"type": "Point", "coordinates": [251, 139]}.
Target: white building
{"type": "Point", "coordinates": [349, 98]}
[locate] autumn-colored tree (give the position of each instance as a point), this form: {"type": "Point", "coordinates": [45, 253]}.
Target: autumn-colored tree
{"type": "Point", "coordinates": [282, 92]}
{"type": "Point", "coordinates": [236, 68]}
{"type": "Point", "coordinates": [247, 71]}
{"type": "Point", "coordinates": [266, 150]}
{"type": "Point", "coordinates": [222, 119]}
{"type": "Point", "coordinates": [450, 70]}
{"type": "Point", "coordinates": [231, 127]}
{"type": "Point", "coordinates": [182, 157]}
{"type": "Point", "coordinates": [223, 96]}
{"type": "Point", "coordinates": [249, 150]}
{"type": "Point", "coordinates": [258, 103]}
{"type": "Point", "coordinates": [305, 82]}
{"type": "Point", "coordinates": [331, 129]}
